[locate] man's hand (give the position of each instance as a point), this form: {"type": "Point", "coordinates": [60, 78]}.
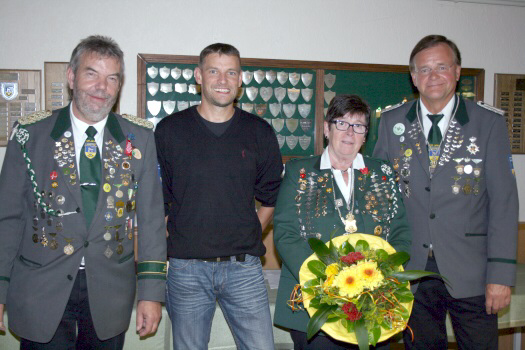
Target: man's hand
{"type": "Point", "coordinates": [2, 325]}
{"type": "Point", "coordinates": [149, 314]}
{"type": "Point", "coordinates": [497, 297]}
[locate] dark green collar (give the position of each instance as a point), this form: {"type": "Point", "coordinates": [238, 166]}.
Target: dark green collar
{"type": "Point", "coordinates": [461, 114]}
{"type": "Point", "coordinates": [63, 123]}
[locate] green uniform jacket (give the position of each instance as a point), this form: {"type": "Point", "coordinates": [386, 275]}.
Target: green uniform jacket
{"type": "Point", "coordinates": [298, 204]}
{"type": "Point", "coordinates": [40, 253]}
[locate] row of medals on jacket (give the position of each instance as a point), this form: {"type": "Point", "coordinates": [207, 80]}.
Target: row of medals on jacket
{"type": "Point", "coordinates": [64, 154]}
{"type": "Point", "coordinates": [316, 190]}
{"type": "Point", "coordinates": [454, 140]}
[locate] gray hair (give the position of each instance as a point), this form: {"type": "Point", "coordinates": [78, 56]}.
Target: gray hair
{"type": "Point", "coordinates": [101, 45]}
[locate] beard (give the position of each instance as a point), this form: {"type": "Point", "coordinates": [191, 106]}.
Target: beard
{"type": "Point", "coordinates": [90, 110]}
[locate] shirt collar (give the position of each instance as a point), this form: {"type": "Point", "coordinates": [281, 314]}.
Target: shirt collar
{"type": "Point", "coordinates": [447, 111]}
{"type": "Point", "coordinates": [358, 163]}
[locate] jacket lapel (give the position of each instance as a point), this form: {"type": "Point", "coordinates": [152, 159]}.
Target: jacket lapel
{"type": "Point", "coordinates": [113, 146]}
{"type": "Point", "coordinates": [64, 157]}
{"type": "Point", "coordinates": [454, 137]}
{"type": "Point", "coordinates": [415, 141]}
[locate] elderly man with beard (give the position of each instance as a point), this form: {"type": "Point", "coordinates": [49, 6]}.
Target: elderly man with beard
{"type": "Point", "coordinates": [71, 185]}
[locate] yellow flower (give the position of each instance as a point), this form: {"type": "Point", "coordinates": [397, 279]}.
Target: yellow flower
{"type": "Point", "coordinates": [331, 270]}
{"type": "Point", "coordinates": [348, 282]}
{"type": "Point", "coordinates": [368, 273]}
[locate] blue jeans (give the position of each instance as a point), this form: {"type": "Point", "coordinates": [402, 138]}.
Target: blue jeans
{"type": "Point", "coordinates": [195, 286]}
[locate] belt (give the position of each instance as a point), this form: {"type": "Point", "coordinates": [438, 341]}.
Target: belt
{"type": "Point", "coordinates": [238, 257]}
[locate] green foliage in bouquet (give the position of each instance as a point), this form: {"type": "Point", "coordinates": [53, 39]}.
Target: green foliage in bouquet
{"type": "Point", "coordinates": [364, 288]}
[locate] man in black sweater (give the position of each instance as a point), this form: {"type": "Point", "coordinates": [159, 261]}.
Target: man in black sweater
{"type": "Point", "coordinates": [215, 160]}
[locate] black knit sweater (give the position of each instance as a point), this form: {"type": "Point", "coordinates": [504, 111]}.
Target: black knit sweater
{"type": "Point", "coordinates": [210, 183]}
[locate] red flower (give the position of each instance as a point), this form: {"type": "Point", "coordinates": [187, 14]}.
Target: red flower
{"type": "Point", "coordinates": [384, 178]}
{"type": "Point", "coordinates": [352, 257]}
{"type": "Point", "coordinates": [351, 312]}
{"type": "Point", "coordinates": [364, 171]}
{"type": "Point", "coordinates": [302, 176]}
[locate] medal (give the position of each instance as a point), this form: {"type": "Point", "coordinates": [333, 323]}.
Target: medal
{"type": "Point", "coordinates": [69, 249]}
{"type": "Point", "coordinates": [108, 252]}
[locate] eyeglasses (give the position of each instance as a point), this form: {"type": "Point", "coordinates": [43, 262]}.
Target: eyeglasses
{"type": "Point", "coordinates": [344, 126]}
{"type": "Point", "coordinates": [441, 69]}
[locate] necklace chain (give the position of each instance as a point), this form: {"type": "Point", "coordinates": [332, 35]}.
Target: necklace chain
{"type": "Point", "coordinates": [349, 221]}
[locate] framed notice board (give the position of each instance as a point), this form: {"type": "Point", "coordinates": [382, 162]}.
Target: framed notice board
{"type": "Point", "coordinates": [292, 96]}
{"type": "Point", "coordinates": [509, 95]}
{"type": "Point", "coordinates": [19, 96]}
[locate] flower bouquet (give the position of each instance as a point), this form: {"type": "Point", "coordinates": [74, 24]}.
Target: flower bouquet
{"type": "Point", "coordinates": [355, 289]}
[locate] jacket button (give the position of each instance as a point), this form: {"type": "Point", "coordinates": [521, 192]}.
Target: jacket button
{"type": "Point", "coordinates": [432, 216]}
{"type": "Point", "coordinates": [425, 245]}
{"type": "Point", "coordinates": [69, 277]}
{"type": "Point", "coordinates": [86, 243]}
{"type": "Point", "coordinates": [427, 188]}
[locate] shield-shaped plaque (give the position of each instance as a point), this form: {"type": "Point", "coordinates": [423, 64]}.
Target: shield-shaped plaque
{"type": "Point", "coordinates": [329, 80]}
{"type": "Point", "coordinates": [307, 78]}
{"type": "Point", "coordinates": [192, 89]}
{"type": "Point", "coordinates": [306, 124]}
{"type": "Point", "coordinates": [9, 91]}
{"type": "Point", "coordinates": [280, 93]}
{"type": "Point", "coordinates": [181, 87]}
{"type": "Point", "coordinates": [194, 103]}
{"type": "Point", "coordinates": [240, 93]}
{"type": "Point", "coordinates": [166, 87]}
{"type": "Point", "coordinates": [176, 73]}
{"type": "Point", "coordinates": [155, 121]}
{"type": "Point", "coordinates": [247, 107]}
{"type": "Point", "coordinates": [280, 140]}
{"type": "Point", "coordinates": [278, 124]}
{"type": "Point", "coordinates": [293, 94]}
{"type": "Point", "coordinates": [270, 76]}
{"type": "Point", "coordinates": [307, 94]}
{"type": "Point", "coordinates": [153, 88]}
{"type": "Point", "coordinates": [275, 109]}
{"type": "Point", "coordinates": [292, 124]}
{"type": "Point", "coordinates": [153, 72]}
{"type": "Point", "coordinates": [260, 109]}
{"type": "Point", "coordinates": [164, 72]}
{"type": "Point", "coordinates": [182, 105]}
{"type": "Point", "coordinates": [289, 109]}
{"type": "Point", "coordinates": [304, 141]}
{"type": "Point", "coordinates": [328, 96]}
{"type": "Point", "coordinates": [154, 107]}
{"type": "Point", "coordinates": [252, 92]}
{"type": "Point", "coordinates": [169, 106]}
{"type": "Point", "coordinates": [291, 141]}
{"type": "Point", "coordinates": [294, 78]}
{"type": "Point", "coordinates": [266, 93]}
{"type": "Point", "coordinates": [187, 74]}
{"type": "Point", "coordinates": [259, 76]}
{"type": "Point", "coordinates": [247, 77]}
{"type": "Point", "coordinates": [304, 110]}
{"type": "Point", "coordinates": [282, 77]}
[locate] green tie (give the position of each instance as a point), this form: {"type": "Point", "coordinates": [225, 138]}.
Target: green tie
{"type": "Point", "coordinates": [90, 174]}
{"type": "Point", "coordinates": [434, 136]}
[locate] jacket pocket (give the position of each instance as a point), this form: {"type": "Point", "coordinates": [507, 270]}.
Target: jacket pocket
{"type": "Point", "coordinates": [475, 234]}
{"type": "Point", "coordinates": [29, 263]}
{"type": "Point", "coordinates": [126, 258]}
